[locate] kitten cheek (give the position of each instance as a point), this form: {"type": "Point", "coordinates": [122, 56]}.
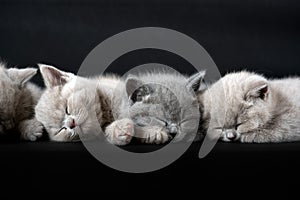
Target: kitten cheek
{"type": "Point", "coordinates": [248, 127]}
{"type": "Point", "coordinates": [241, 128]}
{"type": "Point", "coordinates": [214, 134]}
{"type": "Point", "coordinates": [77, 130]}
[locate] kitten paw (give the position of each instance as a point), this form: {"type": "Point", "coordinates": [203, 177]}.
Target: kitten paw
{"type": "Point", "coordinates": [31, 130]}
{"type": "Point", "coordinates": [120, 132]}
{"type": "Point", "coordinates": [156, 136]}
{"type": "Point", "coordinates": [65, 135]}
{"type": "Point", "coordinates": [34, 136]}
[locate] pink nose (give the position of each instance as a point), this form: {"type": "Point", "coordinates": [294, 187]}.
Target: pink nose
{"type": "Point", "coordinates": [72, 124]}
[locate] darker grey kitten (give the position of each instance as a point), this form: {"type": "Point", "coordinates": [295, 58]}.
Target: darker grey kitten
{"type": "Point", "coordinates": [165, 105]}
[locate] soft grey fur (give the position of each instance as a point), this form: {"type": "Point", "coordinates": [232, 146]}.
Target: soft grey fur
{"type": "Point", "coordinates": [247, 107]}
{"type": "Point", "coordinates": [17, 101]}
{"type": "Point", "coordinates": [93, 104]}
{"type": "Point", "coordinates": [164, 103]}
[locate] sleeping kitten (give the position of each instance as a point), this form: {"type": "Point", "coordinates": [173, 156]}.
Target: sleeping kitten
{"type": "Point", "coordinates": [17, 101]}
{"type": "Point", "coordinates": [73, 105]}
{"type": "Point", "coordinates": [163, 105]}
{"type": "Point", "coordinates": [249, 108]}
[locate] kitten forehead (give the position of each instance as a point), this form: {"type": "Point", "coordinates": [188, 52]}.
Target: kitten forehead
{"type": "Point", "coordinates": [236, 85]}
{"type": "Point", "coordinates": [78, 83]}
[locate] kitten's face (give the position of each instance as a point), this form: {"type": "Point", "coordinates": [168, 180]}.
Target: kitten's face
{"type": "Point", "coordinates": [12, 83]}
{"type": "Point", "coordinates": [244, 107]}
{"type": "Point", "coordinates": [158, 105]}
{"type": "Point", "coordinates": [69, 106]}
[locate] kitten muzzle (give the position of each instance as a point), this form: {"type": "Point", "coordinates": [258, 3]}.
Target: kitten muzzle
{"type": "Point", "coordinates": [72, 124]}
{"type": "Point", "coordinates": [230, 134]}
{"type": "Point", "coordinates": [173, 129]}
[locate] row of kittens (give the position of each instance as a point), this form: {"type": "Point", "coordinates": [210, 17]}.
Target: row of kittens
{"type": "Point", "coordinates": [153, 107]}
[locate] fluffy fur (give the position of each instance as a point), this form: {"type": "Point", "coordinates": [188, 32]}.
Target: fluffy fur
{"type": "Point", "coordinates": [73, 106]}
{"type": "Point", "coordinates": [247, 107]}
{"type": "Point", "coordinates": [163, 105]}
{"type": "Point", "coordinates": [17, 101]}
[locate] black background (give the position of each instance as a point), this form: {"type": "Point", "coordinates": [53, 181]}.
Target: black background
{"type": "Point", "coordinates": [258, 35]}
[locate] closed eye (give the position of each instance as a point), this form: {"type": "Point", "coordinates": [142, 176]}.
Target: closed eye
{"type": "Point", "coordinates": [163, 121]}
{"type": "Point", "coordinates": [67, 110]}
{"type": "Point", "coordinates": [61, 129]}
{"type": "Point", "coordinates": [237, 125]}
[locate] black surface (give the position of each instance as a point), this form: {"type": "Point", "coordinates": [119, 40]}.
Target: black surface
{"type": "Point", "coordinates": [63, 167]}
{"type": "Point", "coordinates": [259, 35]}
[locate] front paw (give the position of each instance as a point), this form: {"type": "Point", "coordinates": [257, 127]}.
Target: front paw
{"type": "Point", "coordinates": [156, 135]}
{"type": "Point", "coordinates": [120, 132]}
{"type": "Point", "coordinates": [31, 130]}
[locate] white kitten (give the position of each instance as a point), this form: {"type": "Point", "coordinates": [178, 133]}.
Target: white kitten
{"type": "Point", "coordinates": [247, 107]}
{"type": "Point", "coordinates": [73, 106]}
{"type": "Point", "coordinates": [17, 101]}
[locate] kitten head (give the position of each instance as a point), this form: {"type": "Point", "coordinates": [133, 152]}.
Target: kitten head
{"type": "Point", "coordinates": [12, 84]}
{"type": "Point", "coordinates": [164, 100]}
{"type": "Point", "coordinates": [241, 104]}
{"type": "Point", "coordinates": [70, 105]}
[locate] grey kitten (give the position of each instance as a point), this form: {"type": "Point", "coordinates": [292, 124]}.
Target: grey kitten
{"type": "Point", "coordinates": [249, 108]}
{"type": "Point", "coordinates": [17, 101]}
{"type": "Point", "coordinates": [163, 104]}
{"type": "Point", "coordinates": [72, 105]}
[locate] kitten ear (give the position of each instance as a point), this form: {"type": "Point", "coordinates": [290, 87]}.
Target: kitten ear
{"type": "Point", "coordinates": [53, 76]}
{"type": "Point", "coordinates": [132, 83]}
{"type": "Point", "coordinates": [258, 89]}
{"type": "Point", "coordinates": [195, 82]}
{"type": "Point", "coordinates": [21, 76]}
